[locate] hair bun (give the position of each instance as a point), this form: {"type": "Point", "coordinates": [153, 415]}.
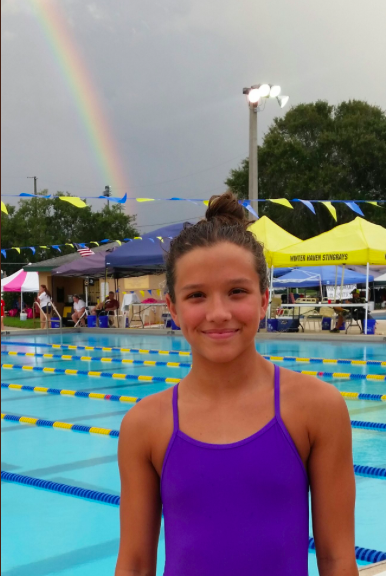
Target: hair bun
{"type": "Point", "coordinates": [225, 209]}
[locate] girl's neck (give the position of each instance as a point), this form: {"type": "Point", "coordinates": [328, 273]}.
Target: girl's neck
{"type": "Point", "coordinates": [215, 378]}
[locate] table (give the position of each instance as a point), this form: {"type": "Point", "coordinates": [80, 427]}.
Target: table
{"type": "Point", "coordinates": [140, 314]}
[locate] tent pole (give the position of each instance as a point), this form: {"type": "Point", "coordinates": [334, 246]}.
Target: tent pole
{"type": "Point", "coordinates": [270, 297]}
{"type": "Point", "coordinates": [336, 282]}
{"type": "Point", "coordinates": [86, 291]}
{"type": "Point", "coordinates": [341, 284]}
{"type": "Point", "coordinates": [367, 295]}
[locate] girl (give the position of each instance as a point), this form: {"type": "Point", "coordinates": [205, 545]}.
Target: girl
{"type": "Point", "coordinates": [44, 298]}
{"type": "Point", "coordinates": [229, 454]}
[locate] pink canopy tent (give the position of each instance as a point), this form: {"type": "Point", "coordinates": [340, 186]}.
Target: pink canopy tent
{"type": "Point", "coordinates": [21, 281]}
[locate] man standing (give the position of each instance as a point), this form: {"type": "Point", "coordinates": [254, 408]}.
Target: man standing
{"type": "Point", "coordinates": [79, 309]}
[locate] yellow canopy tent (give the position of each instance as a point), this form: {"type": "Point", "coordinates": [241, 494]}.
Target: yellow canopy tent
{"type": "Point", "coordinates": [358, 242]}
{"type": "Point", "coordinates": [272, 236]}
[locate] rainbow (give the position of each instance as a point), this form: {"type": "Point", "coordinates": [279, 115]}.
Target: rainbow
{"type": "Point", "coordinates": [80, 84]}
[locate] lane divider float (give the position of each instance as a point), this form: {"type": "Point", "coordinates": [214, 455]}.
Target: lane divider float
{"type": "Point", "coordinates": [101, 359]}
{"type": "Point", "coordinates": [92, 373]}
{"type": "Point", "coordinates": [364, 554]}
{"type": "Point", "coordinates": [70, 372]}
{"type": "Point", "coordinates": [188, 353]}
{"type": "Point", "coordinates": [379, 427]}
{"type": "Point", "coordinates": [132, 399]}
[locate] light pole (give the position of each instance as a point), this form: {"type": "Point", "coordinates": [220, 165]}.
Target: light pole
{"type": "Point", "coordinates": [257, 96]}
{"type": "Point", "coordinates": [107, 193]}
{"type": "Point", "coordinates": [36, 204]}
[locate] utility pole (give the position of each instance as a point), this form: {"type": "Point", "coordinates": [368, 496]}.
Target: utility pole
{"type": "Point", "coordinates": [107, 193]}
{"type": "Point", "coordinates": [36, 205]}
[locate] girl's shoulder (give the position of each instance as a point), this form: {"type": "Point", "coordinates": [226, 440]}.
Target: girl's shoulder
{"type": "Point", "coordinates": [150, 414]}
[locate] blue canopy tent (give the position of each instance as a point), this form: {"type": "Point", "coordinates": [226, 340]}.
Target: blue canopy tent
{"type": "Point", "coordinates": [145, 256]}
{"type": "Point", "coordinates": [309, 276]}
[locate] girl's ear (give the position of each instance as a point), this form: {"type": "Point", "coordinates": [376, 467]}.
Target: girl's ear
{"type": "Point", "coordinates": [264, 303]}
{"type": "Point", "coordinates": [172, 310]}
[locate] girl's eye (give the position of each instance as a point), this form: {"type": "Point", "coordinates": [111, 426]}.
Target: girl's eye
{"type": "Point", "coordinates": [238, 291]}
{"type": "Point", "coordinates": [195, 295]}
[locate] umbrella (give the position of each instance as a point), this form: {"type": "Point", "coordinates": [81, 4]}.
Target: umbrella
{"type": "Point", "coordinates": [21, 281]}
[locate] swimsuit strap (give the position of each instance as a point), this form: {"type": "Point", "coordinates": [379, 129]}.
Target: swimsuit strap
{"type": "Point", "coordinates": [277, 390]}
{"type": "Point", "coordinates": [175, 408]}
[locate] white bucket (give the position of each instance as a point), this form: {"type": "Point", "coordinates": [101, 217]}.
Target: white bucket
{"type": "Point", "coordinates": [23, 316]}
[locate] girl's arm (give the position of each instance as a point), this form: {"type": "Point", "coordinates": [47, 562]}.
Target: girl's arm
{"type": "Point", "coordinates": [332, 484]}
{"type": "Point", "coordinates": [140, 510]}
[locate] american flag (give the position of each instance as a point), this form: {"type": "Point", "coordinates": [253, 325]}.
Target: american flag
{"type": "Point", "coordinates": [85, 251]}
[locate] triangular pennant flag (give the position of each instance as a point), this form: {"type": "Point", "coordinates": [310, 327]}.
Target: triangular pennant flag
{"type": "Point", "coordinates": [93, 242]}
{"type": "Point", "coordinates": [330, 208]}
{"type": "Point", "coordinates": [104, 241]}
{"type": "Point", "coordinates": [77, 202]}
{"type": "Point", "coordinates": [16, 248]}
{"type": "Point", "coordinates": [32, 249]}
{"type": "Point", "coordinates": [72, 246]}
{"type": "Point", "coordinates": [137, 237]}
{"type": "Point", "coordinates": [145, 199]}
{"type": "Point", "coordinates": [308, 204]}
{"type": "Point", "coordinates": [151, 240]}
{"type": "Point", "coordinates": [355, 208]}
{"type": "Point", "coordinates": [56, 247]}
{"type": "Point", "coordinates": [4, 253]}
{"type": "Point", "coordinates": [4, 208]}
{"type": "Point", "coordinates": [81, 245]}
{"type": "Point", "coordinates": [43, 246]}
{"type": "Point", "coordinates": [149, 292]}
{"type": "Point", "coordinates": [247, 206]}
{"type": "Point", "coordinates": [118, 242]}
{"type": "Point", "coordinates": [281, 201]}
{"type": "Point", "coordinates": [142, 293]}
{"type": "Point", "coordinates": [206, 202]}
{"type": "Point", "coordinates": [373, 203]}
{"type": "Point", "coordinates": [160, 238]}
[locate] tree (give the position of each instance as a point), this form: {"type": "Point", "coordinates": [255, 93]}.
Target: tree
{"type": "Point", "coordinates": [44, 222]}
{"type": "Point", "coordinates": [320, 152]}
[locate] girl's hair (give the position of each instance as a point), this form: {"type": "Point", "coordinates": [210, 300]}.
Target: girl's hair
{"type": "Point", "coordinates": [46, 290]}
{"type": "Point", "coordinates": [225, 221]}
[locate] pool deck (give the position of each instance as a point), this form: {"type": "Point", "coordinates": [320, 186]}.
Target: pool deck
{"type": "Point", "coordinates": [262, 335]}
{"type": "Point", "coordinates": [379, 569]}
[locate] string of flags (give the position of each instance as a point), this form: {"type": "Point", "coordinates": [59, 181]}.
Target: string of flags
{"type": "Point", "coordinates": [79, 203]}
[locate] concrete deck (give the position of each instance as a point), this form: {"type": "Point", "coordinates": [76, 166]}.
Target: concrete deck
{"type": "Point", "coordinates": [378, 569]}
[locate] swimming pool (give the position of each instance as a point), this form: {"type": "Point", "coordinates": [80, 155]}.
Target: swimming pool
{"type": "Point", "coordinates": [51, 533]}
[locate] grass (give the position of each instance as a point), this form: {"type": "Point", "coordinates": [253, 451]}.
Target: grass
{"type": "Point", "coordinates": [17, 323]}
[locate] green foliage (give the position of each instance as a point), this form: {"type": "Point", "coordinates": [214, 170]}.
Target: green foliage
{"type": "Point", "coordinates": [320, 152]}
{"type": "Point", "coordinates": [43, 222]}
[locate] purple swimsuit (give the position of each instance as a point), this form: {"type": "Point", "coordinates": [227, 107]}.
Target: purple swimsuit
{"type": "Point", "coordinates": [237, 509]}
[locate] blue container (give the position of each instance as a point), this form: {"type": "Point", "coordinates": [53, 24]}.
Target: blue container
{"type": "Point", "coordinates": [370, 325]}
{"type": "Point", "coordinates": [103, 321]}
{"type": "Point", "coordinates": [343, 327]}
{"type": "Point", "coordinates": [55, 323]}
{"type": "Point", "coordinates": [272, 325]}
{"type": "Point", "coordinates": [91, 321]}
{"type": "Point", "coordinates": [326, 323]}
{"type": "Point", "coordinates": [174, 326]}
{"type": "Point", "coordinates": [262, 324]}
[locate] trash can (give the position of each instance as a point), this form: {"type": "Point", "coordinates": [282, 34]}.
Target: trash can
{"type": "Point", "coordinates": [326, 323]}
{"type": "Point", "coordinates": [23, 316]}
{"type": "Point", "coordinates": [103, 321]}
{"type": "Point", "coordinates": [55, 323]}
{"type": "Point", "coordinates": [91, 321]}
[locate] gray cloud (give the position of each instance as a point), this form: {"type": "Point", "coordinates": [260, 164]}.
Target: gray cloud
{"type": "Point", "coordinates": [169, 76]}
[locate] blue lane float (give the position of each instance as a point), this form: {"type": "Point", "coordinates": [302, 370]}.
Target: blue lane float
{"type": "Point", "coordinates": [363, 554]}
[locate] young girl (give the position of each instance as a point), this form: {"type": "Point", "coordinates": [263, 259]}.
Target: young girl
{"type": "Point", "coordinates": [44, 298]}
{"type": "Point", "coordinates": [229, 454]}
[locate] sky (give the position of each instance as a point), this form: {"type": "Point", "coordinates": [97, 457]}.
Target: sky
{"type": "Point", "coordinates": [163, 82]}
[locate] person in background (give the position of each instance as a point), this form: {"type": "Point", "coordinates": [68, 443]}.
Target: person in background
{"type": "Point", "coordinates": [36, 308]}
{"type": "Point", "coordinates": [357, 313]}
{"type": "Point", "coordinates": [2, 313]}
{"type": "Point", "coordinates": [44, 298]}
{"type": "Point", "coordinates": [79, 309]}
{"type": "Point", "coordinates": [107, 307]}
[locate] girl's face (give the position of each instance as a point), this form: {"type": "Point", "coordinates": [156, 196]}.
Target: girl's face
{"type": "Point", "coordinates": [218, 300]}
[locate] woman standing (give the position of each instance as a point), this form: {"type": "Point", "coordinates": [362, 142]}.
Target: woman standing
{"type": "Point", "coordinates": [45, 300]}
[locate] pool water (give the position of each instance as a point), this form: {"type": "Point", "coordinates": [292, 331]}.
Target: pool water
{"type": "Point", "coordinates": [58, 534]}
